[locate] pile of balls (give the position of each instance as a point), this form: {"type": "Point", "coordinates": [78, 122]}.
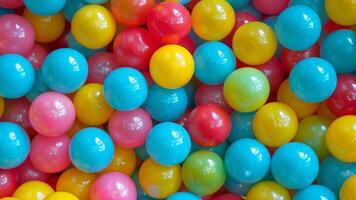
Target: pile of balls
{"type": "Point", "coordinates": [177, 99]}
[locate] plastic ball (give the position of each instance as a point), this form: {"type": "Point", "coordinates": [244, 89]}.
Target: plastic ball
{"type": "Point", "coordinates": [268, 190]}
{"type": "Point", "coordinates": [16, 36]}
{"type": "Point", "coordinates": [214, 61]}
{"type": "Point", "coordinates": [76, 182]}
{"type": "Point", "coordinates": [270, 7]}
{"type": "Point", "coordinates": [125, 89]}
{"type": "Point", "coordinates": [296, 21]}
{"type": "Point", "coordinates": [33, 190]}
{"type": "Point", "coordinates": [340, 136]}
{"type": "Point", "coordinates": [211, 94]}
{"type": "Point", "coordinates": [99, 66]}
{"type": "Point", "coordinates": [52, 114]}
{"type": "Point", "coordinates": [347, 191]}
{"type": "Point", "coordinates": [343, 100]}
{"type": "Point", "coordinates": [92, 21]}
{"type": "Point", "coordinates": [317, 5]}
{"type": "Point", "coordinates": [190, 90]}
{"type": "Point", "coordinates": [252, 10]}
{"type": "Point", "coordinates": [124, 161]}
{"type": "Point", "coordinates": [91, 150]}
{"type": "Point", "coordinates": [314, 192]}
{"type": "Point", "coordinates": [70, 76]}
{"type": "Point", "coordinates": [258, 35]}
{"type": "Point", "coordinates": [131, 12]}
{"type": "Point", "coordinates": [227, 196]}
{"type": "Point", "coordinates": [155, 182]}
{"type": "Point", "coordinates": [134, 47]}
{"type": "Point", "coordinates": [213, 20]}
{"type": "Point", "coordinates": [2, 106]}
{"type": "Point", "coordinates": [218, 149]}
{"type": "Point", "coordinates": [74, 44]}
{"type": "Point", "coordinates": [171, 66]}
{"type": "Point", "coordinates": [47, 28]}
{"type": "Point", "coordinates": [339, 49]}
{"type": "Point", "coordinates": [71, 7]}
{"type": "Point", "coordinates": [14, 145]}
{"type": "Point", "coordinates": [141, 152]}
{"type": "Point", "coordinates": [44, 8]}
{"type": "Point", "coordinates": [247, 160]}
{"type": "Point", "coordinates": [140, 193]}
{"type": "Point", "coordinates": [10, 4]}
{"type": "Point", "coordinates": [313, 80]}
{"type": "Point", "coordinates": [241, 126]}
{"type": "Point", "coordinates": [8, 182]}
{"type": "Point", "coordinates": [203, 173]}
{"type": "Point", "coordinates": [302, 172]}
{"type": "Point", "coordinates": [61, 196]}
{"type": "Point", "coordinates": [36, 56]}
{"type": "Point", "coordinates": [188, 43]}
{"type": "Point", "coordinates": [27, 172]}
{"type": "Point", "coordinates": [341, 12]}
{"type": "Point", "coordinates": [17, 76]}
{"type": "Point", "coordinates": [183, 196]}
{"type": "Point", "coordinates": [325, 111]}
{"type": "Point", "coordinates": [168, 143]}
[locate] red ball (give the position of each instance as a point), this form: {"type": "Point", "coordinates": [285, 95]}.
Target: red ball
{"type": "Point", "coordinates": [134, 48]}
{"type": "Point", "coordinates": [271, 7]}
{"type": "Point", "coordinates": [343, 100]}
{"type": "Point", "coordinates": [188, 43]}
{"type": "Point", "coordinates": [211, 94]}
{"type": "Point", "coordinates": [99, 66]}
{"type": "Point", "coordinates": [52, 181]}
{"type": "Point", "coordinates": [168, 23]}
{"type": "Point", "coordinates": [27, 172]}
{"type": "Point", "coordinates": [8, 182]}
{"type": "Point", "coordinates": [148, 78]}
{"type": "Point", "coordinates": [183, 120]}
{"type": "Point", "coordinates": [36, 56]}
{"type": "Point", "coordinates": [331, 26]}
{"type": "Point", "coordinates": [10, 4]}
{"type": "Point", "coordinates": [289, 58]}
{"type": "Point", "coordinates": [228, 196]}
{"type": "Point", "coordinates": [208, 125]}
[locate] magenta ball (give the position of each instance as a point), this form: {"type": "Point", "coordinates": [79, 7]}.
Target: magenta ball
{"type": "Point", "coordinates": [36, 56]}
{"type": "Point", "coordinates": [16, 35]}
{"type": "Point", "coordinates": [10, 4]}
{"type": "Point", "coordinates": [129, 129]}
{"type": "Point", "coordinates": [271, 7]}
{"type": "Point", "coordinates": [113, 186]}
{"type": "Point", "coordinates": [100, 65]}
{"type": "Point", "coordinates": [52, 114]}
{"type": "Point", "coordinates": [50, 154]}
{"type": "Point", "coordinates": [27, 172]}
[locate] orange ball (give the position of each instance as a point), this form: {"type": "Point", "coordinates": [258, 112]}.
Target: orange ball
{"type": "Point", "coordinates": [124, 161]}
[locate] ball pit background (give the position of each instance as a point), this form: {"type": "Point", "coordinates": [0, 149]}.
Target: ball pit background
{"type": "Point", "coordinates": [177, 99]}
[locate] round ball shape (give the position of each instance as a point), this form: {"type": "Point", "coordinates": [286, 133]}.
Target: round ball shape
{"type": "Point", "coordinates": [44, 8]}
{"type": "Point", "coordinates": [61, 196]}
{"type": "Point", "coordinates": [268, 190]}
{"type": "Point", "coordinates": [31, 190]}
{"type": "Point", "coordinates": [341, 12]}
{"type": "Point", "coordinates": [314, 192]}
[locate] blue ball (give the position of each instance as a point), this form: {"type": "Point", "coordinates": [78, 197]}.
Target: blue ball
{"type": "Point", "coordinates": [141, 152]}
{"type": "Point", "coordinates": [313, 80]}
{"type": "Point", "coordinates": [214, 61]}
{"type": "Point", "coordinates": [237, 187]}
{"type": "Point", "coordinates": [168, 143]}
{"type": "Point", "coordinates": [333, 173]}
{"type": "Point", "coordinates": [17, 76]}
{"type": "Point", "coordinates": [165, 104]}
{"type": "Point", "coordinates": [298, 28]}
{"type": "Point", "coordinates": [247, 160]}
{"type": "Point", "coordinates": [91, 150]}
{"type": "Point", "coordinates": [125, 89]}
{"type": "Point", "coordinates": [183, 196]}
{"type": "Point", "coordinates": [317, 5]}
{"type": "Point", "coordinates": [339, 48]}
{"type": "Point", "coordinates": [14, 145]}
{"type": "Point", "coordinates": [72, 43]}
{"type": "Point", "coordinates": [218, 149]}
{"type": "Point", "coordinates": [316, 192]}
{"type": "Point", "coordinates": [43, 7]}
{"type": "Point", "coordinates": [241, 126]}
{"type": "Point", "coordinates": [295, 165]}
{"type": "Point", "coordinates": [190, 90]}
{"type": "Point", "coordinates": [236, 4]}
{"type": "Point", "coordinates": [38, 88]}
{"type": "Point", "coordinates": [71, 7]}
{"type": "Point", "coordinates": [65, 70]}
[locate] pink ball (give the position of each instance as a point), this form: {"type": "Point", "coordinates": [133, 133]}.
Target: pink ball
{"type": "Point", "coordinates": [113, 186]}
{"type": "Point", "coordinates": [50, 154]}
{"type": "Point", "coordinates": [129, 129]}
{"type": "Point", "coordinates": [270, 7]}
{"type": "Point", "coordinates": [27, 172]}
{"type": "Point", "coordinates": [10, 4]}
{"type": "Point", "coordinates": [16, 35]}
{"type": "Point", "coordinates": [36, 56]}
{"type": "Point", "coordinates": [52, 114]}
{"type": "Point", "coordinates": [100, 65]}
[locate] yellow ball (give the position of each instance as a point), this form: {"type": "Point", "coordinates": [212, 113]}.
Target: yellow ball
{"type": "Point", "coordinates": [213, 20]}
{"type": "Point", "coordinates": [124, 161]}
{"type": "Point", "coordinates": [301, 108]}
{"type": "Point", "coordinates": [91, 106]}
{"type": "Point", "coordinates": [275, 124]}
{"type": "Point", "coordinates": [76, 182]}
{"type": "Point", "coordinates": [2, 106]}
{"type": "Point", "coordinates": [341, 137]}
{"type": "Point", "coordinates": [268, 190]}
{"type": "Point", "coordinates": [172, 66]}
{"type": "Point", "coordinates": [47, 28]}
{"type": "Point", "coordinates": [61, 196]}
{"type": "Point", "coordinates": [342, 12]}
{"type": "Point", "coordinates": [9, 198]}
{"type": "Point", "coordinates": [93, 26]}
{"type": "Point", "coordinates": [254, 43]}
{"type": "Point", "coordinates": [159, 181]}
{"type": "Point", "coordinates": [348, 189]}
{"type": "Point", "coordinates": [33, 190]}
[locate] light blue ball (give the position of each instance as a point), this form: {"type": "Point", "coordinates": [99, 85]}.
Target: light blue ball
{"type": "Point", "coordinates": [72, 43]}
{"type": "Point", "coordinates": [218, 149]}
{"type": "Point", "coordinates": [4, 11]}
{"type": "Point", "coordinates": [165, 104]}
{"type": "Point", "coordinates": [333, 173]}
{"type": "Point", "coordinates": [71, 7]}
{"type": "Point", "coordinates": [298, 28]}
{"type": "Point", "coordinates": [38, 88]}
{"type": "Point", "coordinates": [96, 1]}
{"type": "Point", "coordinates": [17, 76]}
{"type": "Point", "coordinates": [65, 70]}
{"type": "Point", "coordinates": [315, 192]}
{"type": "Point", "coordinates": [184, 1]}
{"type": "Point", "coordinates": [317, 5]}
{"type": "Point", "coordinates": [295, 165]}
{"type": "Point", "coordinates": [241, 126]}
{"type": "Point", "coordinates": [339, 48]}
{"type": "Point", "coordinates": [247, 160]}
{"type": "Point", "coordinates": [190, 90]}
{"type": "Point", "coordinates": [214, 61]}
{"type": "Point", "coordinates": [141, 152]}
{"type": "Point", "coordinates": [91, 150]}
{"type": "Point", "coordinates": [313, 80]}
{"type": "Point", "coordinates": [44, 7]}
{"type": "Point", "coordinates": [125, 89]}
{"type": "Point", "coordinates": [236, 4]}
{"type": "Point", "coordinates": [183, 196]}
{"type": "Point", "coordinates": [14, 145]}
{"type": "Point", "coordinates": [168, 143]}
{"type": "Point", "coordinates": [237, 187]}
